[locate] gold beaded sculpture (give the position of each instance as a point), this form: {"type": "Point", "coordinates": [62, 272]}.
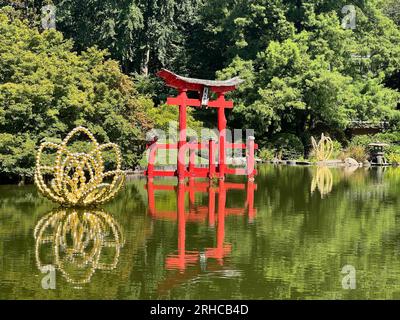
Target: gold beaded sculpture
{"type": "Point", "coordinates": [79, 179]}
{"type": "Point", "coordinates": [323, 149]}
{"type": "Point", "coordinates": [73, 240]}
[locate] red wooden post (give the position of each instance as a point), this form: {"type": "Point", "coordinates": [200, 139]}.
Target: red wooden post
{"type": "Point", "coordinates": [211, 206]}
{"type": "Point", "coordinates": [221, 221]}
{"type": "Point", "coordinates": [181, 227]}
{"type": "Point", "coordinates": [250, 200]}
{"type": "Point", "coordinates": [182, 135]}
{"type": "Point", "coordinates": [151, 199]}
{"type": "Point", "coordinates": [211, 158]}
{"type": "Point", "coordinates": [152, 158]}
{"type": "Point", "coordinates": [222, 135]}
{"type": "Point", "coordinates": [192, 196]}
{"type": "Point", "coordinates": [250, 158]}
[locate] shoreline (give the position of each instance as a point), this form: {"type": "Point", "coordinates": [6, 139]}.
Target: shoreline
{"type": "Point", "coordinates": [135, 174]}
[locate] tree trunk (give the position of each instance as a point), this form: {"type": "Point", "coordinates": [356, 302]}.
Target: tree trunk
{"type": "Point", "coordinates": [145, 63]}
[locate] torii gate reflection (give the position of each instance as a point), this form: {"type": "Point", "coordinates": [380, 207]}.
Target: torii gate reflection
{"type": "Point", "coordinates": [197, 214]}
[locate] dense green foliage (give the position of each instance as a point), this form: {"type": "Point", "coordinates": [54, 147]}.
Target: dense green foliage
{"type": "Point", "coordinates": [304, 73]}
{"type": "Point", "coordinates": [142, 34]}
{"type": "Point", "coordinates": [287, 145]}
{"type": "Point", "coordinates": [46, 90]}
{"type": "Point", "coordinates": [321, 77]}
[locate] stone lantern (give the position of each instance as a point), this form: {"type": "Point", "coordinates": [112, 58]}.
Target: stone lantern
{"type": "Point", "coordinates": [377, 153]}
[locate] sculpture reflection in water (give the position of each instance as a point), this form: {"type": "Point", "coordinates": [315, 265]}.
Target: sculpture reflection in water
{"type": "Point", "coordinates": [78, 242]}
{"type": "Point", "coordinates": [322, 180]}
{"type": "Point", "coordinates": [201, 214]}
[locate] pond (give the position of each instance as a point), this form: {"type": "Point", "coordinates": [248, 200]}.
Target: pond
{"type": "Point", "coordinates": [286, 236]}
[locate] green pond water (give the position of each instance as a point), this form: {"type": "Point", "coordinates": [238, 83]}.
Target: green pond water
{"type": "Point", "coordinates": [286, 236]}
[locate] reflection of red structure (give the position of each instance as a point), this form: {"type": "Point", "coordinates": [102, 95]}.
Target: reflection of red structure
{"type": "Point", "coordinates": [186, 258]}
{"type": "Point", "coordinates": [202, 87]}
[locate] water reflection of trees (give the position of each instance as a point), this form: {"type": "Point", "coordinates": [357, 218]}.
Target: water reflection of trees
{"type": "Point", "coordinates": [75, 241]}
{"type": "Point", "coordinates": [295, 248]}
{"type": "Point", "coordinates": [308, 239]}
{"type": "Point", "coordinates": [299, 242]}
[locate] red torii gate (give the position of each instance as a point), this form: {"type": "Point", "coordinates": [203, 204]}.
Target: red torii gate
{"type": "Point", "coordinates": [202, 87]}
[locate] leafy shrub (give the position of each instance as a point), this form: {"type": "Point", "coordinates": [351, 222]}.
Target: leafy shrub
{"type": "Point", "coordinates": [393, 158]}
{"type": "Point", "coordinates": [356, 152]}
{"type": "Point", "coordinates": [337, 149]}
{"type": "Point", "coordinates": [288, 145]}
{"type": "Point", "coordinates": [386, 137]}
{"type": "Point", "coordinates": [362, 141]}
{"type": "Point", "coordinates": [266, 154]}
{"type": "Point", "coordinates": [393, 154]}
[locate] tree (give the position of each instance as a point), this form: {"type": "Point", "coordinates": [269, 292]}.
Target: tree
{"type": "Point", "coordinates": [46, 90]}
{"type": "Point", "coordinates": [304, 73]}
{"type": "Point", "coordinates": [230, 28]}
{"type": "Point", "coordinates": [112, 25]}
{"type": "Point", "coordinates": [143, 35]}
{"type": "Point", "coordinates": [392, 9]}
{"type": "Point", "coordinates": [322, 77]}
